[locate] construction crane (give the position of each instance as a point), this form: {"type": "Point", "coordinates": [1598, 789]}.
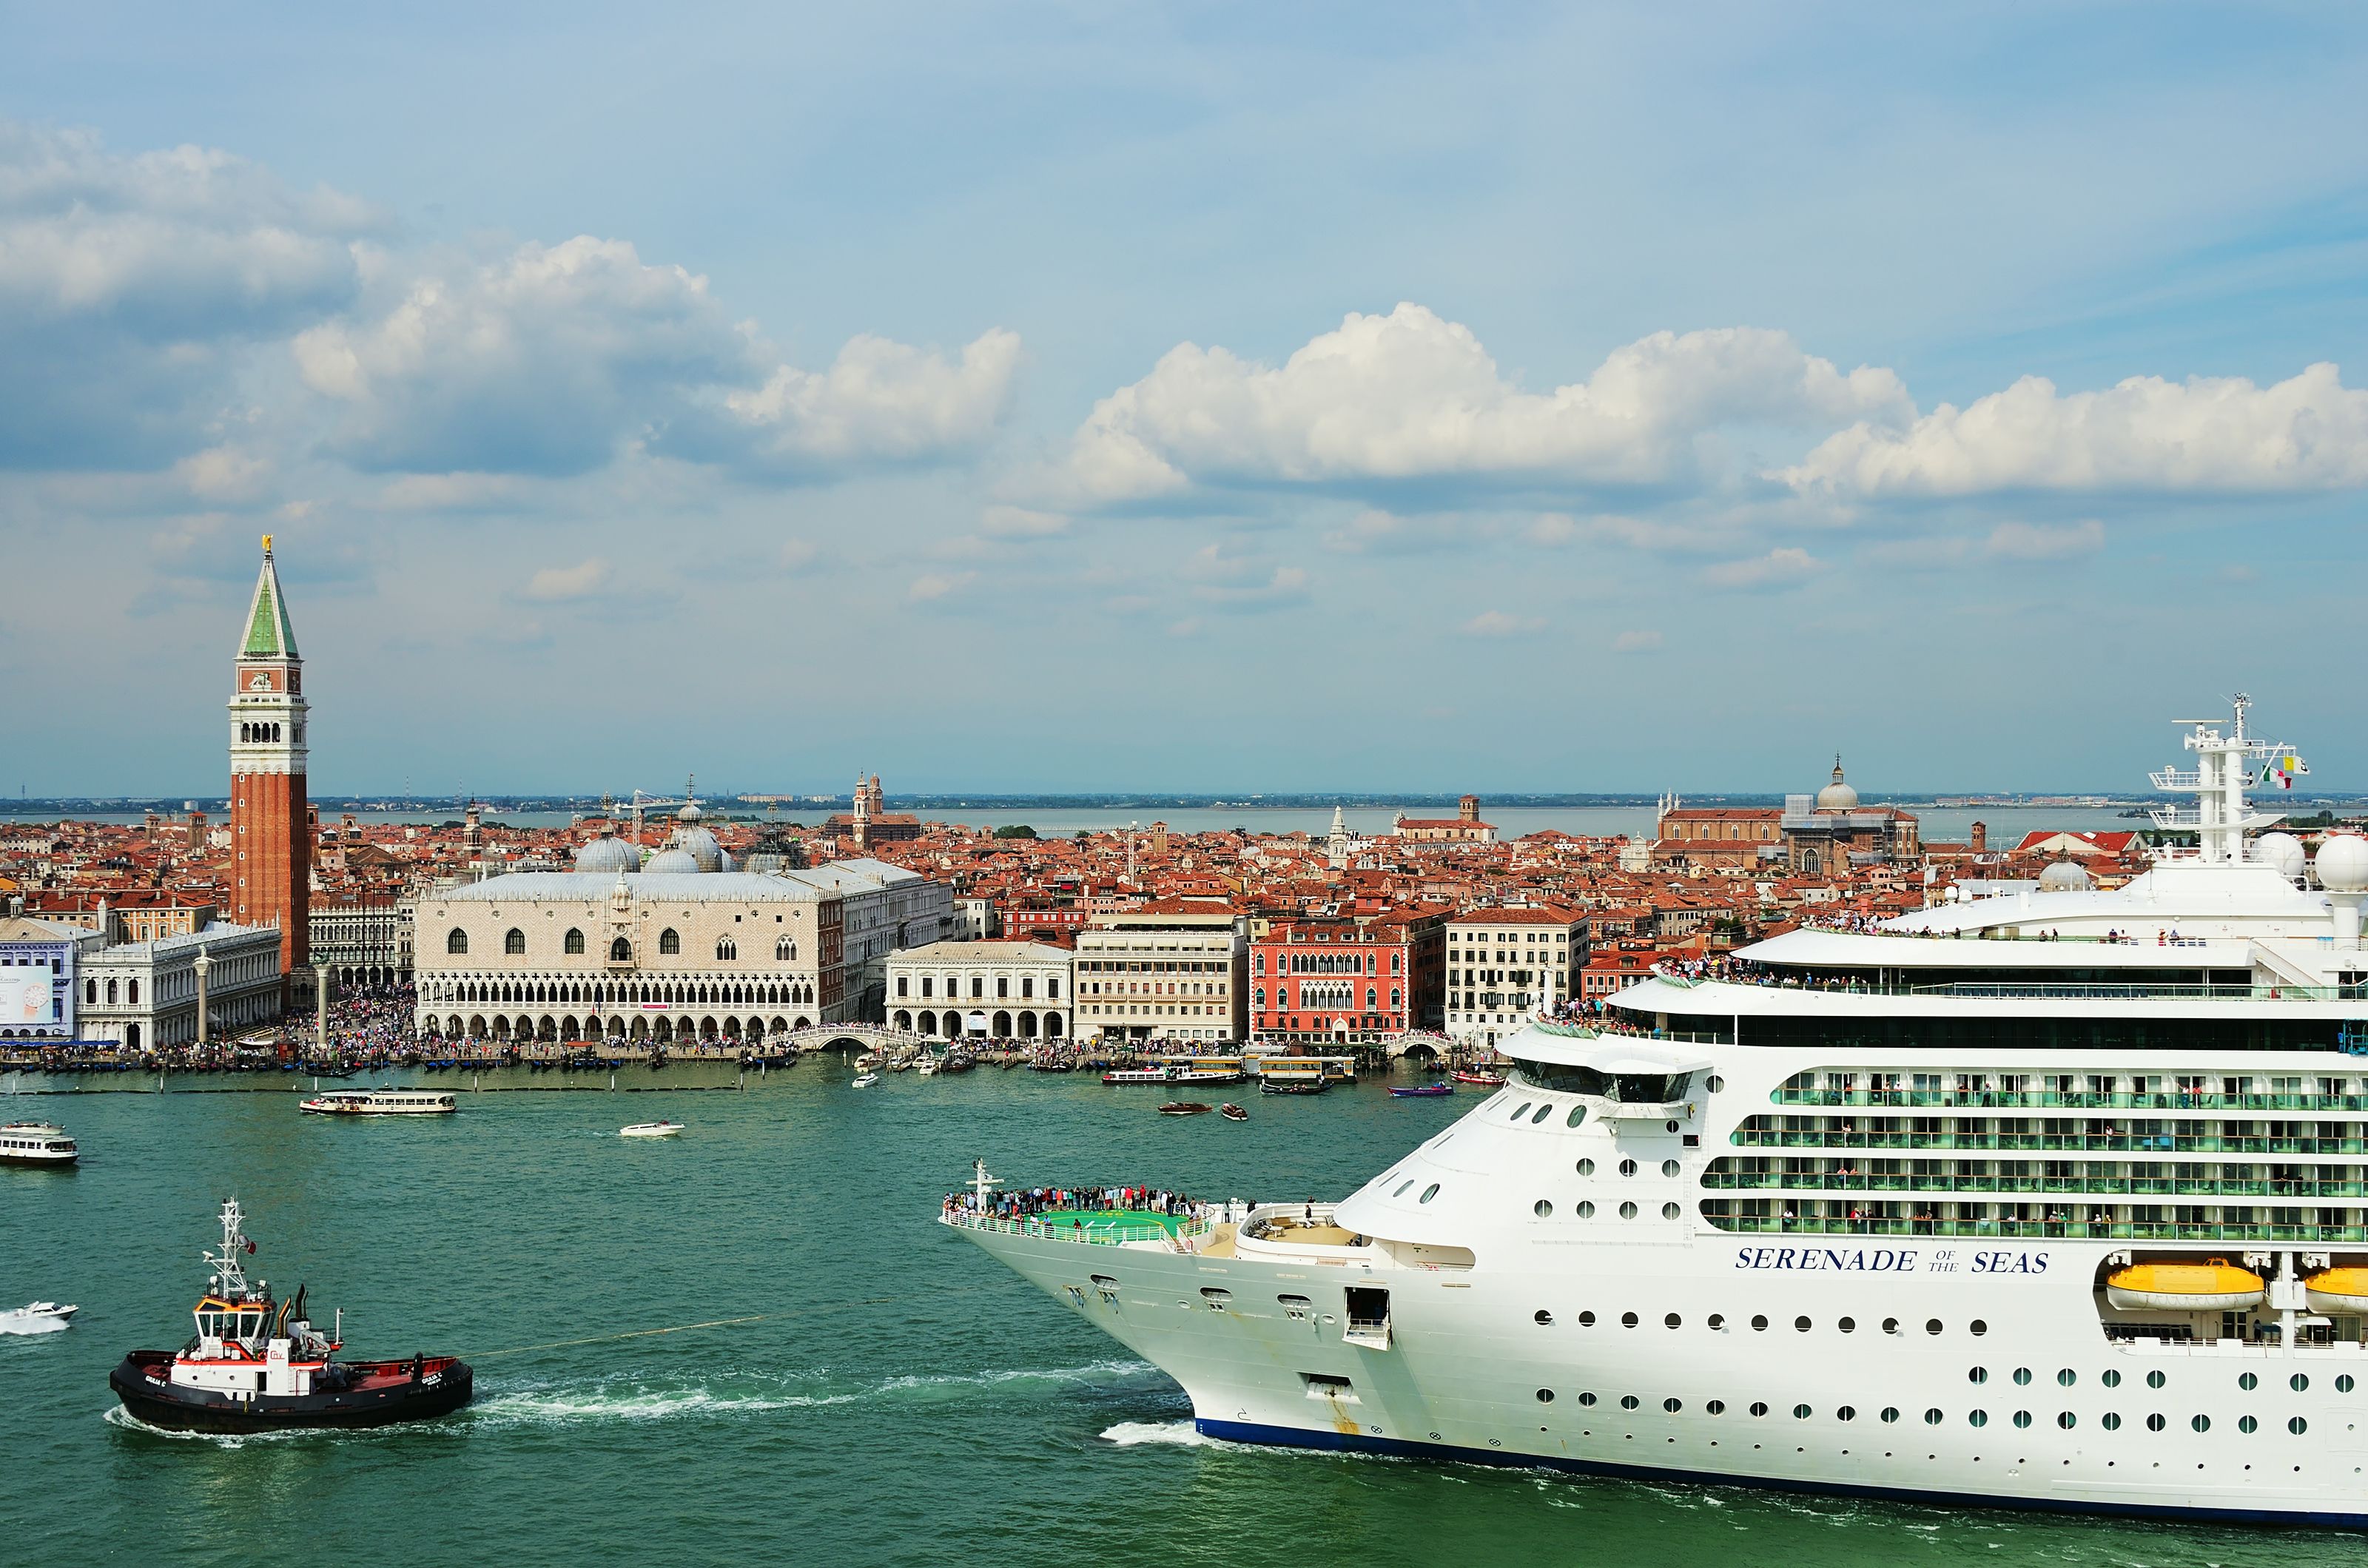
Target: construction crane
{"type": "Point", "coordinates": [643, 802]}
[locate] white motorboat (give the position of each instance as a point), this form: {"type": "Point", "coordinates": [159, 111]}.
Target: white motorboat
{"type": "Point", "coordinates": [381, 1102]}
{"type": "Point", "coordinates": [864, 1080]}
{"type": "Point", "coordinates": [650, 1130]}
{"type": "Point", "coordinates": [927, 1067]}
{"type": "Point", "coordinates": [38, 1317]}
{"type": "Point", "coordinates": [36, 1143]}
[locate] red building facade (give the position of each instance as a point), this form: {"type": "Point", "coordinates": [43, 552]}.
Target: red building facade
{"type": "Point", "coordinates": [1348, 981]}
{"type": "Point", "coordinates": [270, 818]}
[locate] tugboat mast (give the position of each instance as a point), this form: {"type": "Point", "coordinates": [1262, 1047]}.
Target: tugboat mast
{"type": "Point", "coordinates": [230, 1270]}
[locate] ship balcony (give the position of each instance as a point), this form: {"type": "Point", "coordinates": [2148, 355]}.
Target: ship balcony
{"type": "Point", "coordinates": [2176, 1140]}
{"type": "Point", "coordinates": [2052, 1100]}
{"type": "Point", "coordinates": [2223, 1235]}
{"type": "Point", "coordinates": [2070, 1186]}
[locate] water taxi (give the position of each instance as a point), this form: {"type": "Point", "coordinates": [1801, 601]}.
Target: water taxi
{"type": "Point", "coordinates": [650, 1129]}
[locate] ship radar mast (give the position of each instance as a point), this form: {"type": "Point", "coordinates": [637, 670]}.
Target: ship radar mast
{"type": "Point", "coordinates": [2225, 766]}
{"type": "Point", "coordinates": [230, 1270]}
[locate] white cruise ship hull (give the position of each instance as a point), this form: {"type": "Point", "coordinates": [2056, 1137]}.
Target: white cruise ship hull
{"type": "Point", "coordinates": [1467, 1357]}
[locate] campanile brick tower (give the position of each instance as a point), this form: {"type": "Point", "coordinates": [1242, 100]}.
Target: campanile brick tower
{"type": "Point", "coordinates": [270, 828]}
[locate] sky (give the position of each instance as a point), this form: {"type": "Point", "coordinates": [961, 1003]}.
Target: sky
{"type": "Point", "coordinates": [1219, 397]}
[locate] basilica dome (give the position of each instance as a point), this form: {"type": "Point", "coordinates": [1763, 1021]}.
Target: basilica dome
{"type": "Point", "coordinates": [607, 853]}
{"type": "Point", "coordinates": [2065, 876]}
{"type": "Point", "coordinates": [1837, 796]}
{"type": "Point", "coordinates": [675, 860]}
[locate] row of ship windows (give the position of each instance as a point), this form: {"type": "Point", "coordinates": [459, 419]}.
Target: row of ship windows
{"type": "Point", "coordinates": [1716, 1323]}
{"type": "Point", "coordinates": [2111, 1420]}
{"type": "Point", "coordinates": [2064, 1133]}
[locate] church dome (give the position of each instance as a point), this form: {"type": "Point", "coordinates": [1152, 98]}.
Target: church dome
{"type": "Point", "coordinates": [675, 860]}
{"type": "Point", "coordinates": [606, 853]}
{"type": "Point", "coordinates": [700, 845]}
{"type": "Point", "coordinates": [690, 812]}
{"type": "Point", "coordinates": [2065, 876]}
{"type": "Point", "coordinates": [1837, 796]}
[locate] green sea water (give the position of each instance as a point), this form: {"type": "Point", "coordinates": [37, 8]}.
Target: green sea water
{"type": "Point", "coordinates": [900, 1399]}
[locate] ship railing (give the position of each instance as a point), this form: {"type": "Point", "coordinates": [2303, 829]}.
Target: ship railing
{"type": "Point", "coordinates": [2072, 1142]}
{"type": "Point", "coordinates": [1101, 1232]}
{"type": "Point", "coordinates": [2143, 1186]}
{"type": "Point", "coordinates": [2052, 1100]}
{"type": "Point", "coordinates": [2232, 1235]}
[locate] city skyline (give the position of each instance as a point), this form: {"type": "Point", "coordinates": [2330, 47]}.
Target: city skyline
{"type": "Point", "coordinates": [1370, 400]}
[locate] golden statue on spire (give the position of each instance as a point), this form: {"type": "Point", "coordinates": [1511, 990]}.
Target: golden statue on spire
{"type": "Point", "coordinates": [266, 544]}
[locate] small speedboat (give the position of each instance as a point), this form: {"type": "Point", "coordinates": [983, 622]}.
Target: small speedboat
{"type": "Point", "coordinates": [1420, 1091]}
{"type": "Point", "coordinates": [650, 1130]}
{"type": "Point", "coordinates": [1233, 1112]}
{"type": "Point", "coordinates": [864, 1080]}
{"type": "Point", "coordinates": [1488, 1080]}
{"type": "Point", "coordinates": [36, 1317]}
{"type": "Point", "coordinates": [1183, 1108]}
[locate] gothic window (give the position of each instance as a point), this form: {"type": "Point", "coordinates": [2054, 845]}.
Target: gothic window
{"type": "Point", "coordinates": [621, 951]}
{"type": "Point", "coordinates": [514, 941]}
{"type": "Point", "coordinates": [456, 940]}
{"type": "Point", "coordinates": [668, 942]}
{"type": "Point", "coordinates": [1395, 997]}
{"type": "Point", "coordinates": [574, 942]}
{"type": "Point", "coordinates": [726, 949]}
{"type": "Point", "coordinates": [1259, 997]}
{"type": "Point", "coordinates": [785, 949]}
{"type": "Point", "coordinates": [1370, 998]}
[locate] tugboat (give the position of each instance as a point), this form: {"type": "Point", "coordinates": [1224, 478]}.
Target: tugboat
{"type": "Point", "coordinates": [259, 1366]}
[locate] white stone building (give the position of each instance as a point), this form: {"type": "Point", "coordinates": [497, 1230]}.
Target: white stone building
{"type": "Point", "coordinates": [143, 995]}
{"type": "Point", "coordinates": [1505, 964]}
{"type": "Point", "coordinates": [671, 952]}
{"type": "Point", "coordinates": [1175, 970]}
{"type": "Point", "coordinates": [39, 961]}
{"type": "Point", "coordinates": [981, 989]}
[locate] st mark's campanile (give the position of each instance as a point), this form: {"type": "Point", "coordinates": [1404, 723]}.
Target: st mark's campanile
{"type": "Point", "coordinates": [271, 826]}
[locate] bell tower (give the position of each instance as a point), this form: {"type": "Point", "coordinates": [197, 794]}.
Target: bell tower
{"type": "Point", "coordinates": [270, 828]}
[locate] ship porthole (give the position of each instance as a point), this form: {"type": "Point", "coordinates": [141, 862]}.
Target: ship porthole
{"type": "Point", "coordinates": [2298, 1382]}
{"type": "Point", "coordinates": [2153, 1380]}
{"type": "Point", "coordinates": [2112, 1422]}
{"type": "Point", "coordinates": [1931, 1418]}
{"type": "Point", "coordinates": [1848, 1325]}
{"type": "Point", "coordinates": [1758, 1323]}
{"type": "Point", "coordinates": [2202, 1424]}
{"type": "Point", "coordinates": [1978, 1375]}
{"type": "Point", "coordinates": [1428, 1193]}
{"type": "Point", "coordinates": [1669, 1167]}
{"type": "Point", "coordinates": [1982, 1418]}
{"type": "Point", "coordinates": [1627, 1319]}
{"type": "Point", "coordinates": [1542, 1317]}
{"type": "Point", "coordinates": [1758, 1408]}
{"type": "Point", "coordinates": [1628, 1211]}
{"type": "Point", "coordinates": [2248, 1381]}
{"type": "Point", "coordinates": [2022, 1418]}
{"type": "Point", "coordinates": [2110, 1378]}
{"type": "Point", "coordinates": [2067, 1378]}
{"type": "Point", "coordinates": [1891, 1412]}
{"type": "Point", "coordinates": [2343, 1383]}
{"type": "Point", "coordinates": [1627, 1402]}
{"type": "Point", "coordinates": [1891, 1326]}
{"type": "Point", "coordinates": [1546, 1396]}
{"type": "Point", "coordinates": [2022, 1377]}
{"type": "Point", "coordinates": [1801, 1325]}
{"type": "Point", "coordinates": [1717, 1322]}
{"type": "Point", "coordinates": [1541, 1209]}
{"type": "Point", "coordinates": [1846, 1413]}
{"type": "Point", "coordinates": [1587, 1320]}
{"type": "Point", "coordinates": [1673, 1406]}
{"type": "Point", "coordinates": [1932, 1326]}
{"type": "Point", "coordinates": [1979, 1328]}
{"type": "Point", "coordinates": [1587, 1399]}
{"type": "Point", "coordinates": [1627, 1167]}
{"type": "Point", "coordinates": [1586, 1208]}
{"type": "Point", "coordinates": [2297, 1425]}
{"type": "Point", "coordinates": [2247, 1423]}
{"type": "Point", "coordinates": [1670, 1211]}
{"type": "Point", "coordinates": [2068, 1421]}
{"type": "Point", "coordinates": [1672, 1321]}
{"type": "Point", "coordinates": [1715, 1406]}
{"type": "Point", "coordinates": [2155, 1422]}
{"type": "Point", "coordinates": [1587, 1168]}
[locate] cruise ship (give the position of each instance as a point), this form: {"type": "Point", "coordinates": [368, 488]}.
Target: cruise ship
{"type": "Point", "coordinates": [2052, 1199]}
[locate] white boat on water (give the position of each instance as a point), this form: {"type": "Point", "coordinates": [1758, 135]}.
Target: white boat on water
{"type": "Point", "coordinates": [381, 1102]}
{"type": "Point", "coordinates": [928, 1067]}
{"type": "Point", "coordinates": [864, 1080]}
{"type": "Point", "coordinates": [38, 1317]}
{"type": "Point", "coordinates": [650, 1130]}
{"type": "Point", "coordinates": [2046, 1196]}
{"type": "Point", "coordinates": [36, 1143]}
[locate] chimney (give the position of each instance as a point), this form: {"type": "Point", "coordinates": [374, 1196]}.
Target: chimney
{"type": "Point", "coordinates": [1981, 838]}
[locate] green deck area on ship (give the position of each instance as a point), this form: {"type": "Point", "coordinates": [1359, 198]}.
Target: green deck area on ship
{"type": "Point", "coordinates": [1106, 1218]}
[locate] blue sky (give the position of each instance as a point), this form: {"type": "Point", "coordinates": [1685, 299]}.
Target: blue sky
{"type": "Point", "coordinates": [1223, 397]}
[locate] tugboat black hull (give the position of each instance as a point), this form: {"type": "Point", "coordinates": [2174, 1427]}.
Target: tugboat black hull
{"type": "Point", "coordinates": [380, 1393]}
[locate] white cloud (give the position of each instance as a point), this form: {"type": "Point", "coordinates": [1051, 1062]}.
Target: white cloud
{"type": "Point", "coordinates": [562, 584]}
{"type": "Point", "coordinates": [1779, 568]}
{"type": "Point", "coordinates": [1636, 642]}
{"type": "Point", "coordinates": [879, 401]}
{"type": "Point", "coordinates": [2206, 434]}
{"type": "Point", "coordinates": [1242, 583]}
{"type": "Point", "coordinates": [128, 284]}
{"type": "Point", "coordinates": [1410, 395]}
{"type": "Point", "coordinates": [224, 474]}
{"type": "Point", "coordinates": [936, 585]}
{"type": "Point", "coordinates": [1500, 623]}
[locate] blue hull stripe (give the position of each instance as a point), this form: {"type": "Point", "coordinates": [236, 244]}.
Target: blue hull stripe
{"type": "Point", "coordinates": [1355, 1442]}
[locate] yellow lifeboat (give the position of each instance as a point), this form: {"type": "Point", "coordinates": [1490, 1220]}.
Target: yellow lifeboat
{"type": "Point", "coordinates": [2215, 1286]}
{"type": "Point", "coordinates": [2335, 1290]}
